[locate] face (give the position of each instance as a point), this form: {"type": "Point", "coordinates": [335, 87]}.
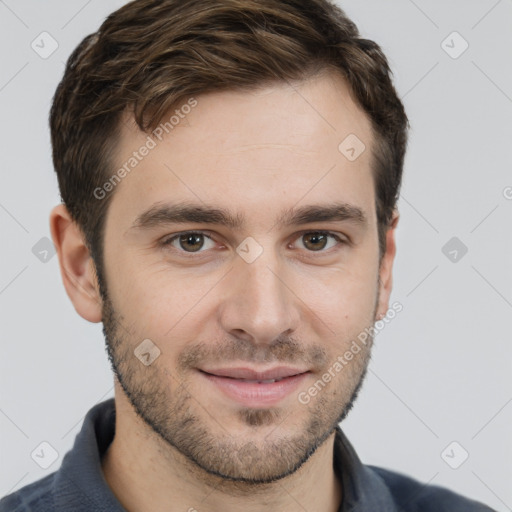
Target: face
{"type": "Point", "coordinates": [243, 317]}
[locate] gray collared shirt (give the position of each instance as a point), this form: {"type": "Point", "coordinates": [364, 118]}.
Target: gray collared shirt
{"type": "Point", "coordinates": [79, 484]}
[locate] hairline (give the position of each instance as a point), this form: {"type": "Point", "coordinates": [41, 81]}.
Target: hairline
{"type": "Point", "coordinates": [316, 69]}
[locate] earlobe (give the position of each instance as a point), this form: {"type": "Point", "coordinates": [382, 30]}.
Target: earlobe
{"type": "Point", "coordinates": [386, 268]}
{"type": "Point", "coordinates": [76, 265]}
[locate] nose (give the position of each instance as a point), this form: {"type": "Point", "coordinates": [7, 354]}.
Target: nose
{"type": "Point", "coordinates": [259, 304]}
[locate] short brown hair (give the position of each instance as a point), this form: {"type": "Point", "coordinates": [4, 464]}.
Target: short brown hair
{"type": "Point", "coordinates": [150, 55]}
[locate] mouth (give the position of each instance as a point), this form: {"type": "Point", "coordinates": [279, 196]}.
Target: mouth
{"type": "Point", "coordinates": [255, 388]}
{"type": "Point", "coordinates": [249, 374]}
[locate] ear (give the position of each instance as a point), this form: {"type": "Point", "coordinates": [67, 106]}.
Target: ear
{"type": "Point", "coordinates": [386, 268]}
{"type": "Point", "coordinates": [77, 268]}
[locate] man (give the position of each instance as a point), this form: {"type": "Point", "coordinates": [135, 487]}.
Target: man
{"type": "Point", "coordinates": [229, 173]}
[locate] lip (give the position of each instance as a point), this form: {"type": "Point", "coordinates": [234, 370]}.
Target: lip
{"type": "Point", "coordinates": [279, 372]}
{"type": "Point", "coordinates": [240, 384]}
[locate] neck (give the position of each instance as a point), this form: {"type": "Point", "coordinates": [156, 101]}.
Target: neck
{"type": "Point", "coordinates": [145, 473]}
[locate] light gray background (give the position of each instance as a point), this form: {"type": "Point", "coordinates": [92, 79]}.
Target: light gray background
{"type": "Point", "coordinates": [441, 370]}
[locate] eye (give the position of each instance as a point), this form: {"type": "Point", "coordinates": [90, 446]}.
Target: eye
{"type": "Point", "coordinates": [315, 241]}
{"type": "Point", "coordinates": [190, 242]}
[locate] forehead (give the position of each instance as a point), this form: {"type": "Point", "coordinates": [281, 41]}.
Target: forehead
{"type": "Point", "coordinates": [256, 150]}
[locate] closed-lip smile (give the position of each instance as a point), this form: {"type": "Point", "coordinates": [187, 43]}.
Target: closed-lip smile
{"type": "Point", "coordinates": [256, 388]}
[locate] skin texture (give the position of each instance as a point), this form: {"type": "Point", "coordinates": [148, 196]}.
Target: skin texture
{"type": "Point", "coordinates": [180, 443]}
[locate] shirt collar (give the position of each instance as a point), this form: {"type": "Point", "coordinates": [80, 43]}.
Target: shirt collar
{"type": "Point", "coordinates": [363, 489]}
{"type": "Point", "coordinates": [81, 486]}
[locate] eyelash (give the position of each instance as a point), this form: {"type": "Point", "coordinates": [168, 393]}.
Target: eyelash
{"type": "Point", "coordinates": [168, 241]}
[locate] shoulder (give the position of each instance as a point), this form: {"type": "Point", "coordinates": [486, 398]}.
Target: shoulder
{"type": "Point", "coordinates": [34, 497]}
{"type": "Point", "coordinates": [414, 496]}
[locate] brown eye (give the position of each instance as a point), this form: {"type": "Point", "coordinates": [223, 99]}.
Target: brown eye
{"type": "Point", "coordinates": [190, 242]}
{"type": "Point", "coordinates": [319, 240]}
{"type": "Point", "coordinates": [193, 241]}
{"type": "Point", "coordinates": [315, 241]}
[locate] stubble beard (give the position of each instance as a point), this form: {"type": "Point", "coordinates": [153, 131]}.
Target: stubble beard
{"type": "Point", "coordinates": [182, 422]}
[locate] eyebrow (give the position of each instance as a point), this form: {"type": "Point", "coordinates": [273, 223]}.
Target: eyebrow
{"type": "Point", "coordinates": [161, 214]}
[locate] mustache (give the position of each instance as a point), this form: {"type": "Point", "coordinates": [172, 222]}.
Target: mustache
{"type": "Point", "coordinates": [282, 350]}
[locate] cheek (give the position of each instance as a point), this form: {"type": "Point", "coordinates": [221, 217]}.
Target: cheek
{"type": "Point", "coordinates": [345, 302]}
{"type": "Point", "coordinates": [159, 303]}
{"type": "Point", "coordinates": [342, 292]}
